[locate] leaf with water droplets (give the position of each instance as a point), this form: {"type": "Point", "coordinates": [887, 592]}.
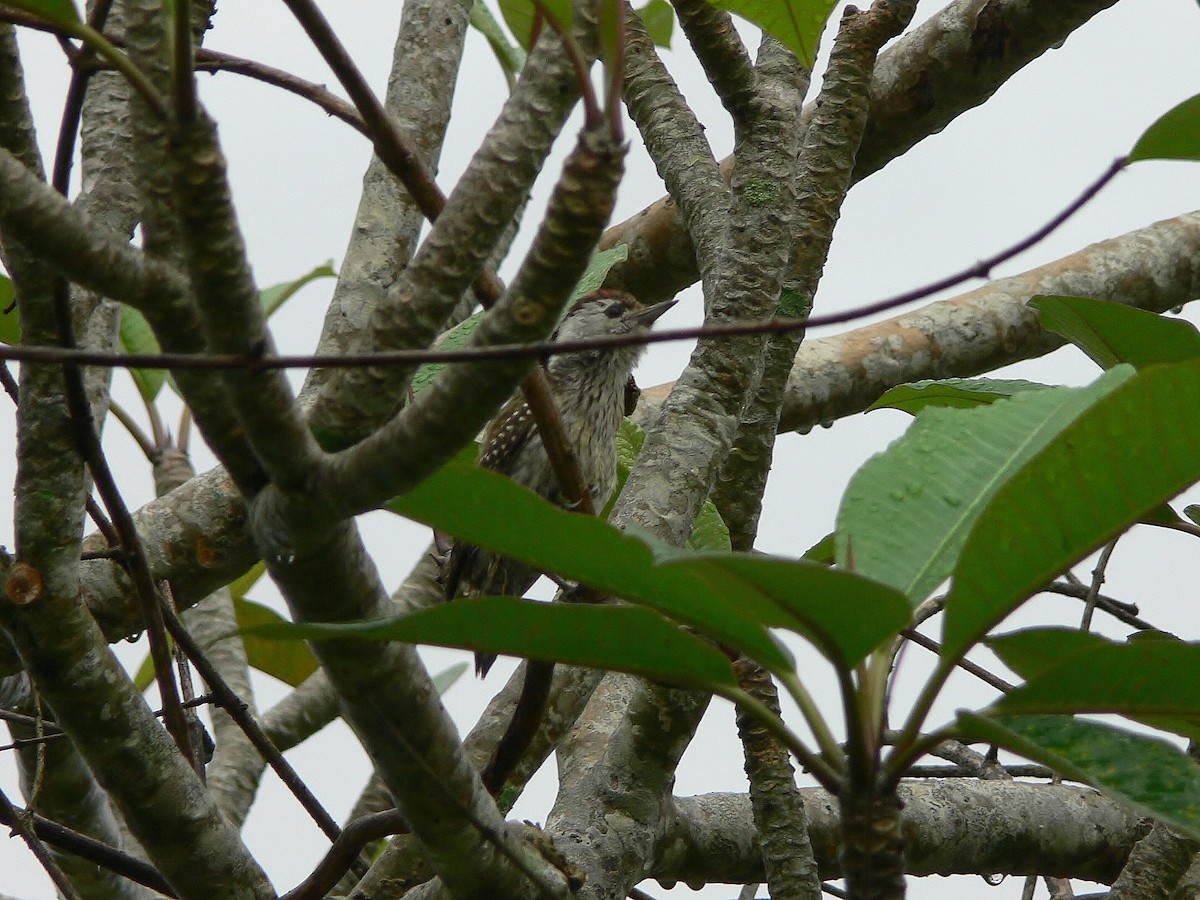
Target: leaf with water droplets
{"type": "Point", "coordinates": [909, 537]}
{"type": "Point", "coordinates": [1110, 467]}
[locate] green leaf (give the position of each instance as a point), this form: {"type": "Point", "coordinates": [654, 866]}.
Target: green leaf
{"type": "Point", "coordinates": [1093, 675]}
{"type": "Point", "coordinates": [823, 551]}
{"type": "Point", "coordinates": [1112, 333]}
{"type": "Point", "coordinates": [278, 294]}
{"type": "Point", "coordinates": [610, 18]}
{"type": "Point", "coordinates": [963, 393]}
{"type": "Point", "coordinates": [843, 615]}
{"type": "Point", "coordinates": [144, 676]}
{"type": "Point", "coordinates": [797, 24]}
{"type": "Point", "coordinates": [494, 512]}
{"type": "Point", "coordinates": [907, 512]}
{"type": "Point", "coordinates": [456, 338]}
{"type": "Point", "coordinates": [658, 17]}
{"type": "Point", "coordinates": [510, 56]}
{"type": "Point", "coordinates": [1032, 651]}
{"type": "Point", "coordinates": [622, 638]}
{"type": "Point", "coordinates": [291, 663]}
{"type": "Point", "coordinates": [1141, 772]}
{"type": "Point", "coordinates": [1192, 511]}
{"type": "Point", "coordinates": [60, 11]}
{"type": "Point", "coordinates": [10, 317]}
{"type": "Point", "coordinates": [1174, 136]}
{"type": "Point", "coordinates": [1132, 450]}
{"type": "Point", "coordinates": [137, 337]}
{"type": "Point", "coordinates": [630, 438]}
{"type": "Point", "coordinates": [447, 678]}
{"type": "Point", "coordinates": [734, 598]}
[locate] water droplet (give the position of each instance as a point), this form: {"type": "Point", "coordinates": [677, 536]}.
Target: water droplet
{"type": "Point", "coordinates": [952, 500]}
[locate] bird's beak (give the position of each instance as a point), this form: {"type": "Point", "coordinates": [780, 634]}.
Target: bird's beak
{"type": "Point", "coordinates": [650, 314]}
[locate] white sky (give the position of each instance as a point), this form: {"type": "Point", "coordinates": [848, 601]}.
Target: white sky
{"type": "Point", "coordinates": [989, 179]}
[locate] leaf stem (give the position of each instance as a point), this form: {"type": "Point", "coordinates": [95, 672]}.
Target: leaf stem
{"type": "Point", "coordinates": [812, 715]}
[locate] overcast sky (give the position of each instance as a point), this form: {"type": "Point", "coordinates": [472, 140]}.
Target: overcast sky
{"type": "Point", "coordinates": [993, 176]}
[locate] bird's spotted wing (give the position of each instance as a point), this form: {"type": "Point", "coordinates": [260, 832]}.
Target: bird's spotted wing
{"type": "Point", "coordinates": [505, 436]}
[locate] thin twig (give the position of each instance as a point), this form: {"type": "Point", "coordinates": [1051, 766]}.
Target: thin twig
{"type": "Point", "coordinates": [19, 821]}
{"type": "Point", "coordinates": [214, 61]}
{"type": "Point", "coordinates": [1119, 610]}
{"type": "Point", "coordinates": [96, 851]}
{"type": "Point", "coordinates": [10, 385]}
{"type": "Point", "coordinates": [1089, 606]}
{"type": "Point", "coordinates": [965, 664]}
{"type": "Point", "coordinates": [222, 694]}
{"type": "Point", "coordinates": [391, 144]}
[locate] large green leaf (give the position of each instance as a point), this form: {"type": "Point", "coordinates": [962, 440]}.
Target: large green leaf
{"type": "Point", "coordinates": [731, 597]}
{"type": "Point", "coordinates": [1093, 675]}
{"type": "Point", "coordinates": [1174, 136]}
{"type": "Point", "coordinates": [623, 638]}
{"type": "Point", "coordinates": [1112, 333]}
{"type": "Point", "coordinates": [1142, 772]}
{"type": "Point", "coordinates": [1032, 651]}
{"type": "Point", "coordinates": [494, 512]}
{"type": "Point", "coordinates": [1116, 462]}
{"type": "Point", "coordinates": [797, 24]}
{"type": "Point", "coordinates": [819, 602]}
{"type": "Point", "coordinates": [907, 511]}
{"type": "Point", "coordinates": [10, 317]}
{"type": "Point", "coordinates": [456, 338]}
{"type": "Point", "coordinates": [963, 393]}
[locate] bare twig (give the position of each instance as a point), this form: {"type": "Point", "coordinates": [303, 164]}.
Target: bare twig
{"type": "Point", "coordinates": [21, 822]}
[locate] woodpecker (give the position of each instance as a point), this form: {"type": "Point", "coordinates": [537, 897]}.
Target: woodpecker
{"type": "Point", "coordinates": [589, 390]}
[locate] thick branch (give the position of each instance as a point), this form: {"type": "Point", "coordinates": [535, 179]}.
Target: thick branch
{"type": "Point", "coordinates": [1075, 832]}
{"type": "Point", "coordinates": [951, 63]}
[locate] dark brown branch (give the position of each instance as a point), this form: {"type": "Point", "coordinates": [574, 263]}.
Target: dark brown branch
{"type": "Point", "coordinates": [344, 852]}
{"type": "Point", "coordinates": [215, 61]}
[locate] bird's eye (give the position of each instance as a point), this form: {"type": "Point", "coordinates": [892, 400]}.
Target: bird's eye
{"type": "Point", "coordinates": [614, 310]}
